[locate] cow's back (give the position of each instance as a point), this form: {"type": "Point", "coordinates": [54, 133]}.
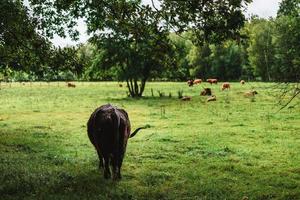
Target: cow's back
{"type": "Point", "coordinates": [102, 126]}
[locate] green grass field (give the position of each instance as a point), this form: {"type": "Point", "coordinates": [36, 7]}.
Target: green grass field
{"type": "Point", "coordinates": [234, 148]}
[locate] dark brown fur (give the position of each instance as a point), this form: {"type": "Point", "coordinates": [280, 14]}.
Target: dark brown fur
{"type": "Point", "coordinates": [206, 92]}
{"type": "Point", "coordinates": [190, 82]}
{"type": "Point", "coordinates": [71, 85]}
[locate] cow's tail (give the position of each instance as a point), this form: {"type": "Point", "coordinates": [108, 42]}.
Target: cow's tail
{"type": "Point", "coordinates": [138, 129]}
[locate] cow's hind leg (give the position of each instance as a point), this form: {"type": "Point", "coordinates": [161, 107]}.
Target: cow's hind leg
{"type": "Point", "coordinates": [119, 154]}
{"type": "Point", "coordinates": [107, 173]}
{"type": "Point", "coordinates": [116, 168]}
{"type": "Point", "coordinates": [100, 156]}
{"type": "Point", "coordinates": [119, 168]}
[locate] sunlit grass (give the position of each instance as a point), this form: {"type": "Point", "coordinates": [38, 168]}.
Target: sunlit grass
{"type": "Point", "coordinates": [233, 148]}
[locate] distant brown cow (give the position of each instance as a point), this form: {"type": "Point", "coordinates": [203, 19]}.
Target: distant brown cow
{"type": "Point", "coordinates": [71, 85]}
{"type": "Point", "coordinates": [251, 93]}
{"type": "Point", "coordinates": [242, 82]}
{"type": "Point", "coordinates": [120, 85]}
{"type": "Point", "coordinates": [206, 92]}
{"type": "Point", "coordinates": [211, 98]}
{"type": "Point", "coordinates": [212, 80]}
{"type": "Point", "coordinates": [225, 85]}
{"type": "Point", "coordinates": [186, 98]}
{"type": "Point", "coordinates": [197, 81]}
{"type": "Point", "coordinates": [190, 82]}
{"type": "Point", "coordinates": [109, 129]}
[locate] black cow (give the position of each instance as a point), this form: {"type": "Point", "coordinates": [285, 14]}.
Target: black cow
{"type": "Point", "coordinates": [109, 129]}
{"type": "Point", "coordinates": [206, 92]}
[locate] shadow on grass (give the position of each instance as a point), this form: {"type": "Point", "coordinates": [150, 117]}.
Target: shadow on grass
{"type": "Point", "coordinates": [143, 98]}
{"type": "Point", "coordinates": [89, 184]}
{"type": "Point", "coordinates": [64, 185]}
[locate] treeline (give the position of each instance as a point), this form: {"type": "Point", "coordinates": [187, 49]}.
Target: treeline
{"type": "Point", "coordinates": [267, 50]}
{"type": "Point", "coordinates": [264, 50]}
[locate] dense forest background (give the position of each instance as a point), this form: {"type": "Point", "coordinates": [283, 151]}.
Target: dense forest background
{"type": "Point", "coordinates": [264, 50]}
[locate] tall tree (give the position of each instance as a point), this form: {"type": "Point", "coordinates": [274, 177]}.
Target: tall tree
{"type": "Point", "coordinates": [63, 60]}
{"type": "Point", "coordinates": [286, 41]}
{"type": "Point", "coordinates": [138, 51]}
{"type": "Point", "coordinates": [21, 46]}
{"type": "Point", "coordinates": [200, 61]}
{"type": "Point", "coordinates": [86, 53]}
{"type": "Point", "coordinates": [261, 49]}
{"type": "Point", "coordinates": [180, 68]}
{"type": "Point", "coordinates": [227, 60]}
{"type": "Point", "coordinates": [287, 37]}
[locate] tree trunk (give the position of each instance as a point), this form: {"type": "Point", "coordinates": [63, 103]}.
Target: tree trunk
{"type": "Point", "coordinates": [135, 89]}
{"type": "Point", "coordinates": [143, 83]}
{"type": "Point", "coordinates": [129, 87]}
{"type": "Point", "coordinates": [267, 66]}
{"type": "Point", "coordinates": [266, 56]}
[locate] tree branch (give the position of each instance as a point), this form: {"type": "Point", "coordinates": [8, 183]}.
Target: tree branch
{"type": "Point", "coordinates": [290, 100]}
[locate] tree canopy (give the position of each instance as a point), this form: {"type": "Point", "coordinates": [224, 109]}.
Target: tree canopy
{"type": "Point", "coordinates": [211, 21]}
{"type": "Point", "coordinates": [21, 46]}
{"type": "Point", "coordinates": [289, 7]}
{"type": "Point", "coordinates": [24, 48]}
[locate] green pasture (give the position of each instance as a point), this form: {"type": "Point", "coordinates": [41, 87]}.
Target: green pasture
{"type": "Point", "coordinates": [234, 148]}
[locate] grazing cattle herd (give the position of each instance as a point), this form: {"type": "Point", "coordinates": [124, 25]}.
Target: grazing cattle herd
{"type": "Point", "coordinates": [192, 82]}
{"type": "Point", "coordinates": [204, 92]}
{"type": "Point", "coordinates": [208, 91]}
